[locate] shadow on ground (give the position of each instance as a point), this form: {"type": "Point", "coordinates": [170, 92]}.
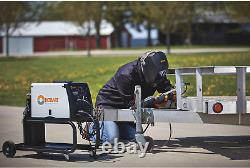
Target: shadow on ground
{"type": "Point", "coordinates": [73, 157]}
{"type": "Point", "coordinates": [232, 147]}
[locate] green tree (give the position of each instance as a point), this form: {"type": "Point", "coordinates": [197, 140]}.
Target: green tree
{"type": "Point", "coordinates": [238, 10]}
{"type": "Point", "coordinates": [167, 16]}
{"type": "Point", "coordinates": [84, 14]}
{"type": "Point", "coordinates": [117, 14]}
{"type": "Point", "coordinates": [143, 14]}
{"type": "Point", "coordinates": [97, 12]}
{"type": "Point", "coordinates": [15, 14]}
{"type": "Point", "coordinates": [80, 14]}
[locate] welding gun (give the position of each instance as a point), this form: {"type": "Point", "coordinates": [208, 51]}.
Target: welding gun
{"type": "Point", "coordinates": [151, 101]}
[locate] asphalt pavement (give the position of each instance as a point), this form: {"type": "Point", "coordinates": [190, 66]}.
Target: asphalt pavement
{"type": "Point", "coordinates": [196, 145]}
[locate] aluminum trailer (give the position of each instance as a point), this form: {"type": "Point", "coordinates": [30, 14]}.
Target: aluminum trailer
{"type": "Point", "coordinates": [198, 109]}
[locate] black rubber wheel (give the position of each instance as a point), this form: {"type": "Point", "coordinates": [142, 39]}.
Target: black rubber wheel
{"type": "Point", "coordinates": [151, 143]}
{"type": "Point", "coordinates": [9, 149]}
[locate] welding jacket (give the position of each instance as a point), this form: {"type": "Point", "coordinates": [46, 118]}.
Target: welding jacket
{"type": "Point", "coordinates": [118, 92]}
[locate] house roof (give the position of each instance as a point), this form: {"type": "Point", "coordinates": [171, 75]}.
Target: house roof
{"type": "Point", "coordinates": [62, 28]}
{"type": "Point", "coordinates": [140, 32]}
{"type": "Point", "coordinates": [59, 28]}
{"type": "Point", "coordinates": [213, 17]}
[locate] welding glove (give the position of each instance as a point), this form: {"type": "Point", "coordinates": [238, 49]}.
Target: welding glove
{"type": "Point", "coordinates": [161, 101]}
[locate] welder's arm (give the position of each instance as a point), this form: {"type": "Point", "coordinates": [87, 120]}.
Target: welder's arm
{"type": "Point", "coordinates": [164, 86]}
{"type": "Point", "coordinates": [126, 89]}
{"type": "Point", "coordinates": [157, 102]}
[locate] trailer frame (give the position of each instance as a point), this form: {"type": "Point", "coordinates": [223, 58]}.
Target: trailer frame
{"type": "Point", "coordinates": [197, 113]}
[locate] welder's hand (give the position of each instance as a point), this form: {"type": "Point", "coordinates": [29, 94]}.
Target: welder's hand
{"type": "Point", "coordinates": [160, 101]}
{"type": "Point", "coordinates": [172, 96]}
{"type": "Point", "coordinates": [132, 107]}
{"type": "Point", "coordinates": [160, 105]}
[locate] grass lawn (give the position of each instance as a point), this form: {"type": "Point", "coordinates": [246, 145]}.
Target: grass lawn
{"type": "Point", "coordinates": [163, 47]}
{"type": "Point", "coordinates": [16, 74]}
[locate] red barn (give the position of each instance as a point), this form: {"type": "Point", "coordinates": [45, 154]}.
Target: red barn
{"type": "Point", "coordinates": [58, 36]}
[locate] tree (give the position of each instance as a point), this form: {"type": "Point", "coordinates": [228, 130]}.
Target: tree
{"type": "Point", "coordinates": [77, 12]}
{"type": "Point", "coordinates": [167, 16]}
{"type": "Point", "coordinates": [117, 14]}
{"type": "Point", "coordinates": [238, 10]}
{"type": "Point", "coordinates": [142, 13]}
{"type": "Point", "coordinates": [80, 14]}
{"type": "Point", "coordinates": [15, 14]}
{"type": "Point", "coordinates": [97, 12]}
{"type": "Point", "coordinates": [84, 14]}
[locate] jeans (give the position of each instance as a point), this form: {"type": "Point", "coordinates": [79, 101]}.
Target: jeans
{"type": "Point", "coordinates": [111, 130]}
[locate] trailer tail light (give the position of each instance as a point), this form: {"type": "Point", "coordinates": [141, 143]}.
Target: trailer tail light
{"type": "Point", "coordinates": [217, 107]}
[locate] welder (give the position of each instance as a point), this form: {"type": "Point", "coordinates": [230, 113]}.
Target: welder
{"type": "Point", "coordinates": [149, 71]}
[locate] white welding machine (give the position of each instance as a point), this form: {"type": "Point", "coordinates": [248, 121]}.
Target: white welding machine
{"type": "Point", "coordinates": [59, 100]}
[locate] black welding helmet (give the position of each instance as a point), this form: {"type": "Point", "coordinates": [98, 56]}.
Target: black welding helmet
{"type": "Point", "coordinates": [154, 66]}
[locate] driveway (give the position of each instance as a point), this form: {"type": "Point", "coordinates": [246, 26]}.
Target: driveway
{"type": "Point", "coordinates": [191, 145]}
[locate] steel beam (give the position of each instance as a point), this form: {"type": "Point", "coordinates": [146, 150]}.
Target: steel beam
{"type": "Point", "coordinates": [210, 70]}
{"type": "Point", "coordinates": [178, 116]}
{"type": "Point", "coordinates": [199, 90]}
{"type": "Point", "coordinates": [179, 81]}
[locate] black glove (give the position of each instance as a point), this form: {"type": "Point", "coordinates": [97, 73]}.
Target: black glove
{"type": "Point", "coordinates": [172, 96]}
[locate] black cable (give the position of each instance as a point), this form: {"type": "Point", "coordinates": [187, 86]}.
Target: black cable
{"type": "Point", "coordinates": [91, 107]}
{"type": "Point", "coordinates": [102, 126]}
{"type": "Point", "coordinates": [81, 114]}
{"type": "Point", "coordinates": [184, 90]}
{"type": "Point", "coordinates": [145, 129]}
{"type": "Point", "coordinates": [170, 131]}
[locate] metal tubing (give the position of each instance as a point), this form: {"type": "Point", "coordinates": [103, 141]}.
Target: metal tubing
{"type": "Point", "coordinates": [209, 70]}
{"type": "Point", "coordinates": [138, 109]}
{"type": "Point", "coordinates": [199, 90]}
{"type": "Point", "coordinates": [178, 79]}
{"type": "Point", "coordinates": [241, 92]}
{"type": "Point", "coordinates": [58, 121]}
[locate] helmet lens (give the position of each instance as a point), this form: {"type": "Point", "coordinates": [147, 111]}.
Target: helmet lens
{"type": "Point", "coordinates": [154, 67]}
{"type": "Point", "coordinates": [160, 76]}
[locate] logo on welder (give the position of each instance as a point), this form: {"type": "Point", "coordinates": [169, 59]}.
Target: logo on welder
{"type": "Point", "coordinates": [42, 99]}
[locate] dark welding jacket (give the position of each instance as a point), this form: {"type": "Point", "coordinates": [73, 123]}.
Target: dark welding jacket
{"type": "Point", "coordinates": [118, 92]}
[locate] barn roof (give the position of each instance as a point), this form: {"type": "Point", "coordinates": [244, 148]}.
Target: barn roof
{"type": "Point", "coordinates": [62, 28]}
{"type": "Point", "coordinates": [59, 28]}
{"type": "Point", "coordinates": [213, 17]}
{"type": "Point", "coordinates": [140, 32]}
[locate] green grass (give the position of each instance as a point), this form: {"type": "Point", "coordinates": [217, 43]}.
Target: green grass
{"type": "Point", "coordinates": [16, 74]}
{"type": "Point", "coordinates": [163, 47]}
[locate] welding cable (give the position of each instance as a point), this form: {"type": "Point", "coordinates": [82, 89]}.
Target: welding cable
{"type": "Point", "coordinates": [102, 126]}
{"type": "Point", "coordinates": [170, 131]}
{"type": "Point", "coordinates": [145, 129]}
{"type": "Point", "coordinates": [85, 113]}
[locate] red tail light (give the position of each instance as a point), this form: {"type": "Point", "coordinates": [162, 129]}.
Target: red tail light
{"type": "Point", "coordinates": [217, 107]}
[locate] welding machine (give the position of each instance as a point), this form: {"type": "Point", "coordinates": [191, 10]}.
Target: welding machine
{"type": "Point", "coordinates": [60, 100]}
{"type": "Point", "coordinates": [57, 103]}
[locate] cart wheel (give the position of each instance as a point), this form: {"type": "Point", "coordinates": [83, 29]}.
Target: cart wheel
{"type": "Point", "coordinates": [9, 149]}
{"type": "Point", "coordinates": [151, 143]}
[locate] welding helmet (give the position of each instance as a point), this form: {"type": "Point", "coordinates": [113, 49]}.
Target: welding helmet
{"type": "Point", "coordinates": [154, 66]}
